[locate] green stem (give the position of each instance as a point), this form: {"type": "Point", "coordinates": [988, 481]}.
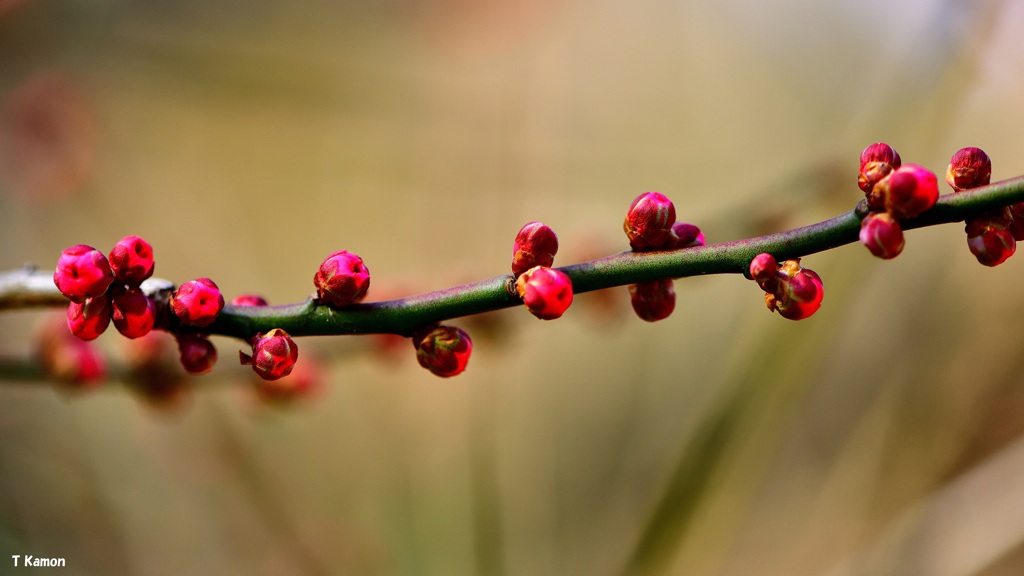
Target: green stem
{"type": "Point", "coordinates": [404, 315]}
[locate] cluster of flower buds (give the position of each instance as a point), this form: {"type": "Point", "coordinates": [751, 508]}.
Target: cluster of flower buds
{"type": "Point", "coordinates": [106, 289]}
{"type": "Point", "coordinates": [546, 292]}
{"type": "Point", "coordinates": [444, 350]}
{"type": "Point", "coordinates": [651, 225]}
{"type": "Point", "coordinates": [791, 290]}
{"type": "Point", "coordinates": [102, 289]}
{"type": "Point", "coordinates": [894, 192]}
{"type": "Point", "coordinates": [992, 236]}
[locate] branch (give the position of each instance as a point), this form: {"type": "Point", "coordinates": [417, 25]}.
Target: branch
{"type": "Point", "coordinates": [29, 287]}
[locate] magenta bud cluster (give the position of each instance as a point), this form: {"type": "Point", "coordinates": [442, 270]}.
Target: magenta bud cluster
{"type": "Point", "coordinates": [993, 235]}
{"type": "Point", "coordinates": [893, 189]}
{"type": "Point", "coordinates": [546, 292]}
{"type": "Point", "coordinates": [650, 225]}
{"type": "Point", "coordinates": [791, 290]}
{"type": "Point", "coordinates": [104, 289]}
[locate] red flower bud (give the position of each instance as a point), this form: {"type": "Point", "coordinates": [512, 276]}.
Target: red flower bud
{"type": "Point", "coordinates": [82, 272]}
{"type": "Point", "coordinates": [197, 302]}
{"type": "Point", "coordinates": [908, 191]}
{"type": "Point", "coordinates": [763, 268]}
{"type": "Point", "coordinates": [686, 235]}
{"type": "Point", "coordinates": [882, 235]}
{"type": "Point", "coordinates": [648, 223]}
{"type": "Point", "coordinates": [196, 352]}
{"type": "Point", "coordinates": [546, 292]}
{"type": "Point", "coordinates": [342, 279]}
{"type": "Point", "coordinates": [876, 162]}
{"type": "Point", "coordinates": [535, 245]}
{"type": "Point", "coordinates": [969, 168]}
{"type": "Point", "coordinates": [444, 350]}
{"type": "Point", "coordinates": [653, 301]}
{"type": "Point", "coordinates": [273, 355]}
{"type": "Point", "coordinates": [798, 292]}
{"type": "Point", "coordinates": [89, 319]}
{"type": "Point", "coordinates": [134, 313]}
{"type": "Point", "coordinates": [131, 260]}
{"type": "Point", "coordinates": [248, 300]}
{"type": "Point", "coordinates": [989, 240]}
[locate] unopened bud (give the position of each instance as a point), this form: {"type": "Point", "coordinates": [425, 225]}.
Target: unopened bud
{"type": "Point", "coordinates": [648, 223]}
{"type": "Point", "coordinates": [444, 350]}
{"type": "Point", "coordinates": [876, 162]}
{"type": "Point", "coordinates": [547, 292]}
{"type": "Point", "coordinates": [342, 279]}
{"type": "Point", "coordinates": [654, 300]}
{"type": "Point", "coordinates": [882, 235]}
{"type": "Point", "coordinates": [82, 272]}
{"type": "Point", "coordinates": [131, 260]}
{"type": "Point", "coordinates": [197, 302]}
{"type": "Point", "coordinates": [969, 168]}
{"type": "Point", "coordinates": [535, 245]}
{"type": "Point", "coordinates": [273, 355]}
{"type": "Point", "coordinates": [909, 191]}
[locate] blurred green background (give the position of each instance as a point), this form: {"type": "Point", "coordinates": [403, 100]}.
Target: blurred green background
{"type": "Point", "coordinates": [248, 140]}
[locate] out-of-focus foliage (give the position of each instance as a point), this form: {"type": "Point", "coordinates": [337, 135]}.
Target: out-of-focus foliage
{"type": "Point", "coordinates": [249, 140]}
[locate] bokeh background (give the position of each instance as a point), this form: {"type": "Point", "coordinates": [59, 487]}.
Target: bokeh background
{"type": "Point", "coordinates": [248, 140]}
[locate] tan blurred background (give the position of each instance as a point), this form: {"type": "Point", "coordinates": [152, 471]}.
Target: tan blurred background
{"type": "Point", "coordinates": [248, 140]}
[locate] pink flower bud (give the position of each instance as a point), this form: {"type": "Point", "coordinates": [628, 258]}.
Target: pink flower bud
{"type": "Point", "coordinates": [342, 279]}
{"type": "Point", "coordinates": [131, 260]}
{"type": "Point", "coordinates": [444, 350]}
{"type": "Point", "coordinates": [876, 162]}
{"type": "Point", "coordinates": [535, 245]}
{"type": "Point", "coordinates": [134, 313]}
{"type": "Point", "coordinates": [882, 235]}
{"type": "Point", "coordinates": [653, 301]}
{"type": "Point", "coordinates": [196, 352]}
{"type": "Point", "coordinates": [197, 302]}
{"type": "Point", "coordinates": [648, 223]}
{"type": "Point", "coordinates": [686, 235]}
{"type": "Point", "coordinates": [763, 268]}
{"type": "Point", "coordinates": [82, 272]}
{"type": "Point", "coordinates": [546, 292]}
{"type": "Point", "coordinates": [273, 355]}
{"type": "Point", "coordinates": [989, 240]}
{"type": "Point", "coordinates": [248, 300]}
{"type": "Point", "coordinates": [89, 319]}
{"type": "Point", "coordinates": [908, 191]}
{"type": "Point", "coordinates": [798, 293]}
{"type": "Point", "coordinates": [969, 168]}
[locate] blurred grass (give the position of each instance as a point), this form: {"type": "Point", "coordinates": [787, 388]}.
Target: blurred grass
{"type": "Point", "coordinates": [247, 141]}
